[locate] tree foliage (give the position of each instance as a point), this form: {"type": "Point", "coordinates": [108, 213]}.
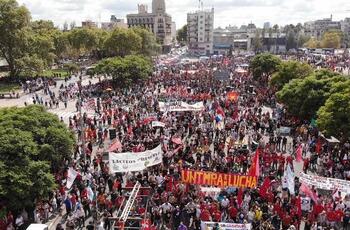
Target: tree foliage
{"type": "Point", "coordinates": [33, 144]}
{"type": "Point", "coordinates": [331, 39]}
{"type": "Point", "coordinates": [289, 70]}
{"type": "Point", "coordinates": [303, 97]}
{"type": "Point", "coordinates": [263, 65]}
{"type": "Point", "coordinates": [181, 34]}
{"type": "Point", "coordinates": [125, 70]}
{"type": "Point", "coordinates": [122, 42]}
{"type": "Point", "coordinates": [333, 117]}
{"type": "Point", "coordinates": [149, 45]}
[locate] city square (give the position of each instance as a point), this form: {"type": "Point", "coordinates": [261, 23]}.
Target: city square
{"type": "Point", "coordinates": [173, 120]}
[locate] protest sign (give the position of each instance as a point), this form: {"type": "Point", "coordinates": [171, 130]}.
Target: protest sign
{"type": "Point", "coordinates": [72, 174]}
{"type": "Point", "coordinates": [158, 124]}
{"type": "Point", "coordinates": [218, 179]}
{"type": "Point", "coordinates": [325, 183]}
{"type": "Point", "coordinates": [225, 226]}
{"type": "Point", "coordinates": [180, 106]}
{"type": "Point", "coordinates": [131, 162]}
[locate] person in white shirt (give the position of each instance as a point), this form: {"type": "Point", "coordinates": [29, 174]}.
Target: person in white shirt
{"type": "Point", "coordinates": [19, 222]}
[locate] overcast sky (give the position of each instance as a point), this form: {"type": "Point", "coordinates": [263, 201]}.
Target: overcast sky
{"type": "Point", "coordinates": [227, 12]}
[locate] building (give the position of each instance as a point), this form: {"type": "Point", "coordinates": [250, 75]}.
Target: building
{"type": "Point", "coordinates": [114, 23]}
{"type": "Point", "coordinates": [173, 31]}
{"type": "Point", "coordinates": [200, 26]}
{"type": "Point", "coordinates": [267, 25]}
{"type": "Point", "coordinates": [317, 28]}
{"type": "Point", "coordinates": [345, 27]}
{"type": "Point", "coordinates": [88, 24]}
{"type": "Point", "coordinates": [158, 21]}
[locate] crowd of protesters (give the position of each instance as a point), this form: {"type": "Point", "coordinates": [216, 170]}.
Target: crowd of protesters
{"type": "Point", "coordinates": [224, 137]}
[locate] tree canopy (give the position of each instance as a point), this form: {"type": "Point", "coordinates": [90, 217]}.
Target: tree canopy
{"type": "Point", "coordinates": [289, 70]}
{"type": "Point", "coordinates": [263, 65]}
{"type": "Point", "coordinates": [181, 34]}
{"type": "Point", "coordinates": [33, 145]}
{"type": "Point", "coordinates": [303, 97]}
{"type": "Point", "coordinates": [333, 117]}
{"type": "Point", "coordinates": [124, 71]}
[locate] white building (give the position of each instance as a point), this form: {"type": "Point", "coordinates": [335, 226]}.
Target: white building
{"type": "Point", "coordinates": [159, 22]}
{"type": "Point", "coordinates": [200, 26]}
{"type": "Point", "coordinates": [114, 23]}
{"type": "Point", "coordinates": [173, 31]}
{"type": "Point", "coordinates": [317, 28]}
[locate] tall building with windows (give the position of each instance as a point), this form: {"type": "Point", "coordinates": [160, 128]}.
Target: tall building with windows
{"type": "Point", "coordinates": [158, 21]}
{"type": "Point", "coordinates": [200, 26]}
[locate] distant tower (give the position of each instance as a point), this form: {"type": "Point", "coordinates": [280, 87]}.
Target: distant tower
{"type": "Point", "coordinates": [142, 8]}
{"type": "Point", "coordinates": [158, 6]}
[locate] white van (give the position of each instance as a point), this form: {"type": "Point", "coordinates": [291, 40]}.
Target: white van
{"type": "Point", "coordinates": [37, 227]}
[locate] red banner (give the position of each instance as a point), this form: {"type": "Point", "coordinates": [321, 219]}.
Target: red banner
{"type": "Point", "coordinates": [218, 179]}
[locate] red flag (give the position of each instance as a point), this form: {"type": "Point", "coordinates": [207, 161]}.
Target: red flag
{"type": "Point", "coordinates": [240, 197]}
{"type": "Point", "coordinates": [264, 187]}
{"type": "Point", "coordinates": [177, 140]}
{"type": "Point", "coordinates": [116, 145]}
{"type": "Point", "coordinates": [318, 146]}
{"type": "Point", "coordinates": [308, 192]}
{"type": "Point", "coordinates": [148, 120]}
{"type": "Point", "coordinates": [232, 96]}
{"type": "Point", "coordinates": [299, 154]}
{"type": "Point", "coordinates": [220, 111]}
{"type": "Point", "coordinates": [298, 204]}
{"type": "Point", "coordinates": [254, 169]}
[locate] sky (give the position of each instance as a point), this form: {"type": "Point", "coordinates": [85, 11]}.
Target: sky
{"type": "Point", "coordinates": [227, 12]}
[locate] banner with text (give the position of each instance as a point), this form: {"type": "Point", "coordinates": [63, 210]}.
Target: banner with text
{"type": "Point", "coordinates": [131, 162]}
{"type": "Point", "coordinates": [218, 179]}
{"type": "Point", "coordinates": [325, 183]}
{"type": "Point", "coordinates": [224, 226]}
{"type": "Point", "coordinates": [158, 124]}
{"type": "Point", "coordinates": [180, 106]}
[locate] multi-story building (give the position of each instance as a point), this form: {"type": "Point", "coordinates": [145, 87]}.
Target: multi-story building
{"type": "Point", "coordinates": [114, 23]}
{"type": "Point", "coordinates": [159, 22]}
{"type": "Point", "coordinates": [317, 28]}
{"type": "Point", "coordinates": [200, 26]}
{"type": "Point", "coordinates": [173, 31]}
{"type": "Point", "coordinates": [88, 24]}
{"type": "Point", "coordinates": [345, 26]}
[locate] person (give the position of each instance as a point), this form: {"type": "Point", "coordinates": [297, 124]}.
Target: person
{"type": "Point", "coordinates": [19, 223]}
{"type": "Point", "coordinates": [90, 226]}
{"type": "Point", "coordinates": [59, 227]}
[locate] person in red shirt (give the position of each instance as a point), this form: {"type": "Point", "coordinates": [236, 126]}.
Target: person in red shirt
{"type": "Point", "coordinates": [205, 215]}
{"type": "Point", "coordinates": [217, 216]}
{"type": "Point", "coordinates": [232, 212]}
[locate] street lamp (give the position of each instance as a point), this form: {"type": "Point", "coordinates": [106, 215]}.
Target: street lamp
{"type": "Point", "coordinates": [82, 126]}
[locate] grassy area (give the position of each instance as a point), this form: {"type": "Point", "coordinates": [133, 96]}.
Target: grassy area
{"type": "Point", "coordinates": [8, 87]}
{"type": "Point", "coordinates": [50, 73]}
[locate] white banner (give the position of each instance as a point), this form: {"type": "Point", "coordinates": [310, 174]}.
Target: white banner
{"type": "Point", "coordinates": [158, 124]}
{"type": "Point", "coordinates": [225, 226]}
{"type": "Point", "coordinates": [180, 106]}
{"type": "Point", "coordinates": [131, 162]}
{"type": "Point", "coordinates": [325, 183]}
{"type": "Point", "coordinates": [72, 174]}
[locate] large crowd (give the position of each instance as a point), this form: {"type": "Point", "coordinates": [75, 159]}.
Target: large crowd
{"type": "Point", "coordinates": [224, 137]}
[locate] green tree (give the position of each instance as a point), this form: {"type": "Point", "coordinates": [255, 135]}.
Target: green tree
{"type": "Point", "coordinates": [33, 144]}
{"type": "Point", "coordinates": [122, 42]}
{"type": "Point", "coordinates": [125, 70]}
{"type": "Point", "coordinates": [291, 42]}
{"type": "Point", "coordinates": [82, 41]}
{"type": "Point", "coordinates": [289, 70]}
{"type": "Point", "coordinates": [14, 22]}
{"type": "Point", "coordinates": [333, 117]}
{"type": "Point", "coordinates": [149, 45]}
{"type": "Point", "coordinates": [331, 40]}
{"type": "Point", "coordinates": [181, 34]}
{"type": "Point", "coordinates": [263, 65]}
{"type": "Point", "coordinates": [303, 97]}
{"type": "Point", "coordinates": [312, 43]}
{"type": "Point", "coordinates": [257, 41]}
